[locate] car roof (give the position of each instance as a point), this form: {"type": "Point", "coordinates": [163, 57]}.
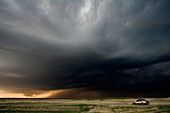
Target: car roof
{"type": "Point", "coordinates": [141, 100]}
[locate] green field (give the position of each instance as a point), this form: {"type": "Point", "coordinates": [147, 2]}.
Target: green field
{"type": "Point", "coordinates": [157, 105]}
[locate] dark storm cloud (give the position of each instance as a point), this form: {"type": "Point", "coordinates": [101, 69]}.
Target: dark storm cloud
{"type": "Point", "coordinates": [101, 45]}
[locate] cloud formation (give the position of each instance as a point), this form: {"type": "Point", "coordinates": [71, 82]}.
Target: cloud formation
{"type": "Point", "coordinates": [104, 45]}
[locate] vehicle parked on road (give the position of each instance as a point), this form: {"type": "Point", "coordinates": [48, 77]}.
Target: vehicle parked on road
{"type": "Point", "coordinates": [141, 102]}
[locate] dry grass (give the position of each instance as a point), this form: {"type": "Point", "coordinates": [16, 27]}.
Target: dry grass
{"type": "Point", "coordinates": [157, 105]}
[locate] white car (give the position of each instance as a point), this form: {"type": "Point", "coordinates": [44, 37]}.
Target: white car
{"type": "Point", "coordinates": [141, 102]}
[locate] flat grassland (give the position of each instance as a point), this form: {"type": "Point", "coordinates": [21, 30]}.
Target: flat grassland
{"type": "Point", "coordinates": [157, 105]}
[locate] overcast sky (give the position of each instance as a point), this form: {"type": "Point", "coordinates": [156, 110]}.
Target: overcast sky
{"type": "Point", "coordinates": [90, 47]}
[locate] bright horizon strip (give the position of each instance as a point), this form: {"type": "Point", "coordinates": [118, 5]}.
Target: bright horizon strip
{"type": "Point", "coordinates": [11, 95]}
{"type": "Point", "coordinates": [5, 94]}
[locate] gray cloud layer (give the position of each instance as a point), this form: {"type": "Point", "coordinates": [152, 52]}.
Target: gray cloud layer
{"type": "Point", "coordinates": [57, 44]}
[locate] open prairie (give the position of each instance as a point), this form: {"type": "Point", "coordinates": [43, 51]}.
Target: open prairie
{"type": "Point", "coordinates": [157, 105]}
